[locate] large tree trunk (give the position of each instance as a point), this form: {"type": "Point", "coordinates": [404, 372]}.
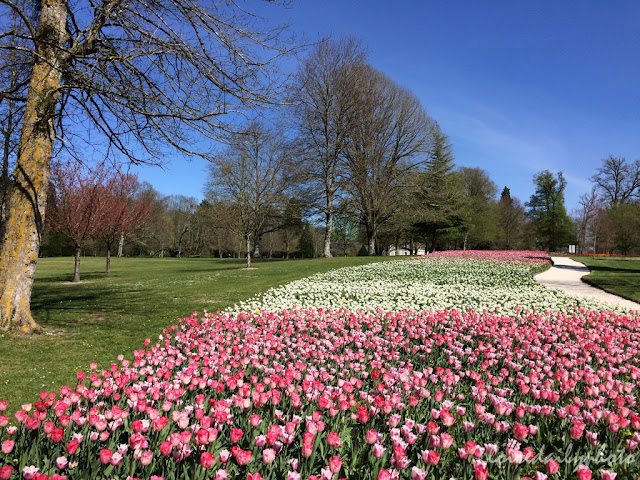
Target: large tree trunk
{"type": "Point", "coordinates": [371, 234]}
{"type": "Point", "coordinates": [326, 252]}
{"type": "Point", "coordinates": [434, 236]}
{"type": "Point", "coordinates": [76, 264]}
{"type": "Point", "coordinates": [287, 245]}
{"type": "Point", "coordinates": [21, 240]}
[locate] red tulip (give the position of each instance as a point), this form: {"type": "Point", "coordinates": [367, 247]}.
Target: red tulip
{"type": "Point", "coordinates": [207, 459]}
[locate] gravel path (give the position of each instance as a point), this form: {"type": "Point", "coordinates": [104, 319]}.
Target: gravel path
{"type": "Point", "coordinates": [566, 275]}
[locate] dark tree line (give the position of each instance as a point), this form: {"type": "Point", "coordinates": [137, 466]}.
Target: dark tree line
{"type": "Point", "coordinates": [608, 217]}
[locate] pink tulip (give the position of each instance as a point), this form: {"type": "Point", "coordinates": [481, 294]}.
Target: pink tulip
{"type": "Point", "coordinates": [384, 475]}
{"type": "Point", "coordinates": [335, 463]}
{"type": "Point", "coordinates": [268, 455]}
{"type": "Point", "coordinates": [418, 474]}
{"type": "Point", "coordinates": [105, 456]}
{"type": "Point", "coordinates": [221, 475]}
{"type": "Point", "coordinates": [6, 472]}
{"type": "Point", "coordinates": [61, 463]}
{"type": "Point", "coordinates": [552, 467]}
{"type": "Point", "coordinates": [146, 457]}
{"type": "Point", "coordinates": [481, 473]}
{"type": "Point", "coordinates": [333, 439]}
{"type": "Point", "coordinates": [584, 473]}
{"type": "Point", "coordinates": [29, 473]}
{"type": "Point", "coordinates": [207, 460]}
{"type": "Point", "coordinates": [378, 450]}
{"type": "Point", "coordinates": [7, 446]}
{"type": "Point", "coordinates": [236, 435]}
{"type": "Point", "coordinates": [430, 457]}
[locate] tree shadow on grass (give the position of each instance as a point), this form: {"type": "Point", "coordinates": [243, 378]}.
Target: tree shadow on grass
{"type": "Point", "coordinates": [616, 269]}
{"type": "Point", "coordinates": [61, 299]}
{"type": "Point", "coordinates": [67, 277]}
{"type": "Point", "coordinates": [570, 267]}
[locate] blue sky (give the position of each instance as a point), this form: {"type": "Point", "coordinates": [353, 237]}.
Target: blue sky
{"type": "Point", "coordinates": [518, 87]}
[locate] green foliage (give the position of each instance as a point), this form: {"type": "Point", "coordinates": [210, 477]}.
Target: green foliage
{"type": "Point", "coordinates": [480, 213]}
{"type": "Point", "coordinates": [512, 225]}
{"type": "Point", "coordinates": [625, 222]}
{"type": "Point", "coordinates": [548, 213]}
{"type": "Point", "coordinates": [307, 249]}
{"type": "Point", "coordinates": [438, 197]}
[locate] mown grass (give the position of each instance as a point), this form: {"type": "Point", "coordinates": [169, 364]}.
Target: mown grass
{"type": "Point", "coordinates": [619, 275]}
{"type": "Point", "coordinates": [108, 315]}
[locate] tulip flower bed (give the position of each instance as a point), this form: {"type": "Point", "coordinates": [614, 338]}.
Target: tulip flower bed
{"type": "Point", "coordinates": [450, 279]}
{"type": "Point", "coordinates": [312, 393]}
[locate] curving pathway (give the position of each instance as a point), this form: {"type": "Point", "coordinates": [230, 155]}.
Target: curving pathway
{"type": "Point", "coordinates": [566, 274]}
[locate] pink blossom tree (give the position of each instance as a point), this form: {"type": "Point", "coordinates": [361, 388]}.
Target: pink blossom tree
{"type": "Point", "coordinates": [76, 207]}
{"type": "Point", "coordinates": [125, 209]}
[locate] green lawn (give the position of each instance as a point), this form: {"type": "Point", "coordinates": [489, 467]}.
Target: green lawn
{"type": "Point", "coordinates": [618, 275]}
{"type": "Point", "coordinates": [107, 315]}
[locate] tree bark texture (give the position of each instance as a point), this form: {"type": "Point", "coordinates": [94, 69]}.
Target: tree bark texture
{"type": "Point", "coordinates": [372, 242]}
{"type": "Point", "coordinates": [21, 240]}
{"type": "Point", "coordinates": [327, 234]}
{"type": "Point", "coordinates": [76, 264]}
{"type": "Point", "coordinates": [108, 269]}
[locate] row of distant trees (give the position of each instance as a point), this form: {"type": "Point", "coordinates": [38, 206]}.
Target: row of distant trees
{"type": "Point", "coordinates": [359, 167]}
{"type": "Point", "coordinates": [100, 204]}
{"type": "Point", "coordinates": [100, 211]}
{"type": "Point", "coordinates": [608, 217]}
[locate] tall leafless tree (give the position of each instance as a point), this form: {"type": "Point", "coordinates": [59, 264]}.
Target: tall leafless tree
{"type": "Point", "coordinates": [325, 104]}
{"type": "Point", "coordinates": [78, 210]}
{"type": "Point", "coordinates": [140, 77]}
{"type": "Point", "coordinates": [391, 136]}
{"type": "Point", "coordinates": [252, 174]}
{"type": "Point", "coordinates": [618, 180]}
{"type": "Point", "coordinates": [589, 206]}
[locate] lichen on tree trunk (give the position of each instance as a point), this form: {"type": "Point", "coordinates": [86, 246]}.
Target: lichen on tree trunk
{"type": "Point", "coordinates": [21, 239]}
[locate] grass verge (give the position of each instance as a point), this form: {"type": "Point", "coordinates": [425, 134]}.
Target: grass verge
{"type": "Point", "coordinates": [619, 275]}
{"type": "Point", "coordinates": [104, 316]}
